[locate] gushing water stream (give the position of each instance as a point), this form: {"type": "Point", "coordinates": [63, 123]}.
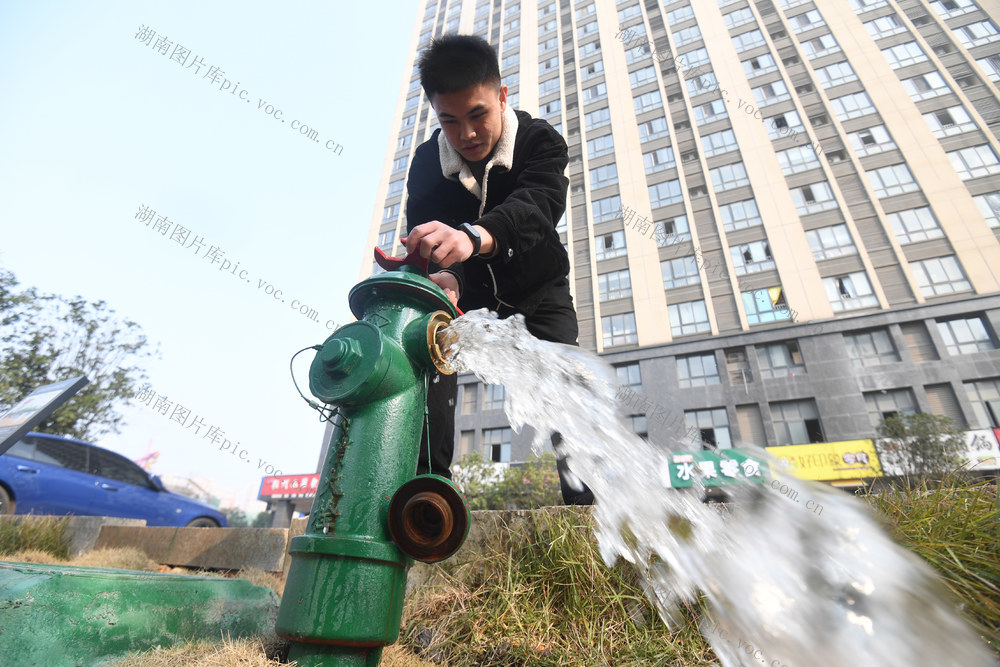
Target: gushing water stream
{"type": "Point", "coordinates": [784, 586]}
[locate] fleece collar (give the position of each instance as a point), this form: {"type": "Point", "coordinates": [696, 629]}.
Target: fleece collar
{"type": "Point", "coordinates": [453, 167]}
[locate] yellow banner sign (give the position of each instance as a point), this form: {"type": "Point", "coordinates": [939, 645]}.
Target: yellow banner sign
{"type": "Point", "coordinates": [824, 461]}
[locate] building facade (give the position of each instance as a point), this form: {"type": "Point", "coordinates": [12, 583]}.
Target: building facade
{"type": "Point", "coordinates": [783, 216]}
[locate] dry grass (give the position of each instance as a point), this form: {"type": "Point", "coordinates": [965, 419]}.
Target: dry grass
{"type": "Point", "coordinates": [41, 533]}
{"type": "Point", "coordinates": [227, 653]}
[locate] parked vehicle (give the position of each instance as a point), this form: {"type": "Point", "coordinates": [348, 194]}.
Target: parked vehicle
{"type": "Point", "coordinates": [48, 474]}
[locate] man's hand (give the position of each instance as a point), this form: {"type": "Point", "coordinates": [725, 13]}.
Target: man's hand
{"type": "Point", "coordinates": [448, 283]}
{"type": "Point", "coordinates": [443, 244]}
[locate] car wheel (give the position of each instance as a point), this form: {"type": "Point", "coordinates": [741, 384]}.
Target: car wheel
{"type": "Point", "coordinates": [6, 503]}
{"type": "Point", "coordinates": [203, 522]}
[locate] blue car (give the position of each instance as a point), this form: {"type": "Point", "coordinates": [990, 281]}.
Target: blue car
{"type": "Point", "coordinates": [47, 474]}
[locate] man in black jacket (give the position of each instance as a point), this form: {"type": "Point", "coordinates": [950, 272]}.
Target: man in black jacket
{"type": "Point", "coordinates": [484, 195]}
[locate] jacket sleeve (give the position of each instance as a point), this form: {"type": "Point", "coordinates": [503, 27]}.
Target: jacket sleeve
{"type": "Point", "coordinates": [419, 205]}
{"type": "Point", "coordinates": [534, 206]}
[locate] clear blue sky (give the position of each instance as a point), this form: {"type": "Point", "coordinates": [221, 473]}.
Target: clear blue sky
{"type": "Point", "coordinates": [95, 124]}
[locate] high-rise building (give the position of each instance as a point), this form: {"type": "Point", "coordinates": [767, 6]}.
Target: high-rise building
{"type": "Point", "coordinates": [783, 216]}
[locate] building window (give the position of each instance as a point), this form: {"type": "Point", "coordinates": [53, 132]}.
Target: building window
{"type": "Point", "coordinates": [820, 46]}
{"type": "Point", "coordinates": [549, 65]}
{"type": "Point", "coordinates": [497, 444]}
{"type": "Point", "coordinates": [697, 370]}
{"type": "Point", "coordinates": [784, 125]}
{"type": "Point", "coordinates": [595, 93]}
{"type": "Point", "coordinates": [629, 376]}
{"type": "Point", "coordinates": [770, 93]}
{"type": "Point", "coordinates": [738, 367]}
{"type": "Point", "coordinates": [598, 118]}
{"type": "Point", "coordinates": [889, 403]}
{"type": "Point", "coordinates": [550, 44]}
{"type": "Point", "coordinates": [926, 86]}
{"type": "Point", "coordinates": [740, 215]}
{"type": "Point", "coordinates": [399, 164]}
{"type": "Point", "coordinates": [712, 427]}
{"type": "Point", "coordinates": [870, 348]}
{"type": "Point", "coordinates": [836, 74]}
{"type": "Point", "coordinates": [765, 305]}
{"type": "Point", "coordinates": [590, 71]}
{"type": "Point", "coordinates": [606, 209]}
{"type": "Point", "coordinates": [614, 285]}
{"type": "Point", "coordinates": [590, 48]}
{"type": "Point", "coordinates": [695, 59]}
{"type": "Point", "coordinates": [849, 292]}
{"type": "Point", "coordinates": [915, 224]}
{"type": "Point", "coordinates": [729, 176]}
{"type": "Point", "coordinates": [989, 206]}
{"type": "Point", "coordinates": [652, 129]}
{"type": "Point", "coordinates": [600, 146]}
{"type": "Point", "coordinates": [779, 360]}
{"type": "Point", "coordinates": [665, 193]}
{"type": "Point", "coordinates": [671, 231]}
{"type": "Point", "coordinates": [603, 176]}
{"type": "Point", "coordinates": [748, 40]}
{"type": "Point", "coordinates": [796, 422]}
{"type": "Point", "coordinates": [385, 240]}
{"type": "Point", "coordinates": [686, 36]}
{"type": "Point", "coordinates": [619, 329]}
{"type": "Point", "coordinates": [949, 8]}
{"type": "Point", "coordinates": [977, 34]}
{"type": "Point", "coordinates": [946, 122]}
{"type": "Point", "coordinates": [687, 318]}
{"type": "Point", "coordinates": [894, 179]}
{"type": "Point", "coordinates": [647, 101]}
{"type": "Point", "coordinates": [709, 112]}
{"type": "Point", "coordinates": [469, 399]}
{"type": "Point", "coordinates": [884, 26]}
{"type": "Point", "coordinates": [550, 109]}
{"type": "Point", "coordinates": [797, 159]}
{"type": "Point", "coordinates": [467, 441]}
{"type": "Point", "coordinates": [806, 21]}
{"type": "Point", "coordinates": [680, 15]}
{"type": "Point", "coordinates": [984, 395]}
{"type": "Point", "coordinates": [679, 272]}
{"type": "Point", "coordinates": [974, 162]}
{"type": "Point", "coordinates": [832, 241]}
{"type": "Point", "coordinates": [965, 335]}
{"type": "Point", "coordinates": [658, 160]}
{"type": "Point", "coordinates": [587, 10]}
{"type": "Point", "coordinates": [638, 425]}
{"type": "Point", "coordinates": [990, 66]}
{"type": "Point", "coordinates": [704, 83]}
{"type": "Point", "coordinates": [718, 143]}
{"type": "Point", "coordinates": [850, 106]}
{"type": "Point", "coordinates": [390, 212]}
{"type": "Point", "coordinates": [610, 245]}
{"type": "Point", "coordinates": [902, 55]}
{"type": "Point", "coordinates": [760, 65]}
{"type": "Point", "coordinates": [739, 17]}
{"type": "Point", "coordinates": [813, 198]}
{"type": "Point", "coordinates": [545, 87]}
{"type": "Point", "coordinates": [493, 397]}
{"type": "Point", "coordinates": [871, 140]}
{"type": "Point", "coordinates": [939, 276]}
{"type": "Point", "coordinates": [751, 257]}
{"type": "Point", "coordinates": [641, 77]}
{"type": "Point", "coordinates": [862, 6]}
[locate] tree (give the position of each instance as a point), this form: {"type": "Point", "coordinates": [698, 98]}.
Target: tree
{"type": "Point", "coordinates": [236, 517]}
{"type": "Point", "coordinates": [488, 486]}
{"type": "Point", "coordinates": [920, 445]}
{"type": "Point", "coordinates": [46, 338]}
{"type": "Point", "coordinates": [262, 520]}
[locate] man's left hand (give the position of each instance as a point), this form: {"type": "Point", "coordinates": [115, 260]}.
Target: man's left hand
{"type": "Point", "coordinates": [443, 244]}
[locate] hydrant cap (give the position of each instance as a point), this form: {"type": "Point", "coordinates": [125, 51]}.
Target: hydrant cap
{"type": "Point", "coordinates": [350, 365]}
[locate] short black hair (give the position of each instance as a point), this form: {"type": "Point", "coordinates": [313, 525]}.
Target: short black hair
{"type": "Point", "coordinates": [456, 62]}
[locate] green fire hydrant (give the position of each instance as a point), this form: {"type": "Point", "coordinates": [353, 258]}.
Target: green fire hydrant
{"type": "Point", "coordinates": [372, 515]}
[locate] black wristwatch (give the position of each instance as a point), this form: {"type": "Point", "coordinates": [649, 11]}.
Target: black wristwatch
{"type": "Point", "coordinates": [477, 240]}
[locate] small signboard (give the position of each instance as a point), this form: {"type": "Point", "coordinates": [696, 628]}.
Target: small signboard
{"type": "Point", "coordinates": [714, 468]}
{"type": "Point", "coordinates": [34, 408]}
{"type": "Point", "coordinates": [281, 487]}
{"type": "Point", "coordinates": [828, 461]}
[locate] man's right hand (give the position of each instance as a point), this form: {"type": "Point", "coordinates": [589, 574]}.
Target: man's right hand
{"type": "Point", "coordinates": [446, 281]}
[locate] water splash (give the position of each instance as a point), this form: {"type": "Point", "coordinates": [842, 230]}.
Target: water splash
{"type": "Point", "coordinates": [784, 586]}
